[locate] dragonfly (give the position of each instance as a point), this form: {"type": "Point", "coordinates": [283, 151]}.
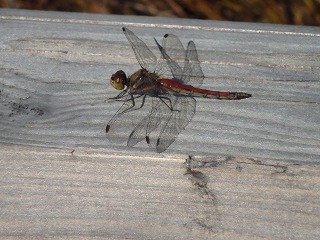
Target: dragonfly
{"type": "Point", "coordinates": [156, 108]}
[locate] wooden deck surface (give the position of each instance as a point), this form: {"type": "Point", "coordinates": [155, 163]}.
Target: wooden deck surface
{"type": "Point", "coordinates": [254, 171]}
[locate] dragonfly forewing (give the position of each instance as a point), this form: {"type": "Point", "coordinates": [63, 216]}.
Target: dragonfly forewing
{"type": "Point", "coordinates": [145, 57]}
{"type": "Point", "coordinates": [127, 117]}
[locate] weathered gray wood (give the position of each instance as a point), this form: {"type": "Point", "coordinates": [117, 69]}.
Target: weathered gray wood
{"type": "Point", "coordinates": [262, 179]}
{"type": "Point", "coordinates": [97, 193]}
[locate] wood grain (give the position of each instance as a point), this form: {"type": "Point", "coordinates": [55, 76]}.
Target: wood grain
{"type": "Point", "coordinates": [254, 171]}
{"type": "Point", "coordinates": [99, 193]}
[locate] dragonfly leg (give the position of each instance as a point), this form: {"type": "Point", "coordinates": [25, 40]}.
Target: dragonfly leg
{"type": "Point", "coordinates": [125, 100]}
{"type": "Point", "coordinates": [133, 106]}
{"type": "Point", "coordinates": [168, 105]}
{"type": "Point", "coordinates": [120, 95]}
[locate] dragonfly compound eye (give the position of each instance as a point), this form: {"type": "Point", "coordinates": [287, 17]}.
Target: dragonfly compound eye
{"type": "Point", "coordinates": [118, 80]}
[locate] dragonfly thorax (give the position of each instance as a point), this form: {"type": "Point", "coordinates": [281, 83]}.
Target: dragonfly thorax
{"type": "Point", "coordinates": [144, 82]}
{"type": "Point", "coordinates": [119, 80]}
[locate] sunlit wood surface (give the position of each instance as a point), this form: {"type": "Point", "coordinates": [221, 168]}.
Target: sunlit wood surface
{"type": "Point", "coordinates": [254, 171]}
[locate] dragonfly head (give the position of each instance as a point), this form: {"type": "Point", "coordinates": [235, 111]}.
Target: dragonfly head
{"type": "Point", "coordinates": [119, 80]}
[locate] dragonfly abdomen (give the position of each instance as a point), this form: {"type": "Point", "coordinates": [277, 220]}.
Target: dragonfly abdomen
{"type": "Point", "coordinates": [219, 95]}
{"type": "Point", "coordinates": [199, 92]}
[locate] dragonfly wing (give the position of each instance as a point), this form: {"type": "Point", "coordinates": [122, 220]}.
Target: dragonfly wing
{"type": "Point", "coordinates": [174, 67]}
{"type": "Point", "coordinates": [169, 123]}
{"type": "Point", "coordinates": [183, 64]}
{"type": "Point", "coordinates": [192, 71]}
{"type": "Point", "coordinates": [145, 57]}
{"type": "Point", "coordinates": [175, 54]}
{"type": "Point", "coordinates": [149, 123]}
{"type": "Point", "coordinates": [126, 118]}
{"type": "Point", "coordinates": [138, 133]}
{"type": "Point", "coordinates": [156, 119]}
{"type": "Point", "coordinates": [178, 120]}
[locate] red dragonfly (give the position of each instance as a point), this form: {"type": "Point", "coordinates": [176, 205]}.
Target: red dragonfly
{"type": "Point", "coordinates": [170, 102]}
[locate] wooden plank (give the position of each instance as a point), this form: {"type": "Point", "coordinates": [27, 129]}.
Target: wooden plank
{"type": "Point", "coordinates": [99, 193]}
{"type": "Point", "coordinates": [60, 71]}
{"type": "Point", "coordinates": [259, 158]}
